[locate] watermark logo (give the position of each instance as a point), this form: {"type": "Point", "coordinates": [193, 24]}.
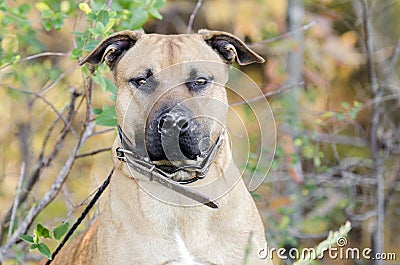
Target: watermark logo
{"type": "Point", "coordinates": [339, 252]}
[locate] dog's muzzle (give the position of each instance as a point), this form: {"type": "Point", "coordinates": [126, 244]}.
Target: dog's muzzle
{"type": "Point", "coordinates": [174, 135]}
{"type": "Point", "coordinates": [158, 173]}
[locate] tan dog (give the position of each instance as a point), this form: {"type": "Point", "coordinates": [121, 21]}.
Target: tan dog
{"type": "Point", "coordinates": [171, 105]}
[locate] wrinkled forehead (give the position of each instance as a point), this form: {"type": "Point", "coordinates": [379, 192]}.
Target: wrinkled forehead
{"type": "Point", "coordinates": [171, 54]}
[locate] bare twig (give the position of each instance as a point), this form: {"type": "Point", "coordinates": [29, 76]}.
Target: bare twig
{"type": "Point", "coordinates": [283, 36]}
{"type": "Point", "coordinates": [50, 195]}
{"type": "Point", "coordinates": [57, 184]}
{"type": "Point", "coordinates": [43, 163]}
{"type": "Point", "coordinates": [360, 217]}
{"type": "Point", "coordinates": [378, 234]}
{"type": "Point", "coordinates": [95, 152]}
{"type": "Point", "coordinates": [267, 94]}
{"type": "Point", "coordinates": [39, 55]}
{"type": "Point", "coordinates": [108, 5]}
{"type": "Point", "coordinates": [392, 188]}
{"type": "Point", "coordinates": [104, 131]}
{"type": "Point", "coordinates": [193, 15]}
{"type": "Point", "coordinates": [16, 200]}
{"type": "Point", "coordinates": [52, 107]}
{"type": "Point", "coordinates": [60, 77]}
{"type": "Point", "coordinates": [393, 61]}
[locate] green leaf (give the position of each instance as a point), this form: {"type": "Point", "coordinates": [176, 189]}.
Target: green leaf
{"type": "Point", "coordinates": [42, 6]}
{"type": "Point", "coordinates": [154, 12]}
{"type": "Point", "coordinates": [340, 116]}
{"type": "Point", "coordinates": [57, 23]}
{"type": "Point", "coordinates": [256, 196]}
{"type": "Point", "coordinates": [107, 117]}
{"type": "Point", "coordinates": [46, 25]}
{"type": "Point", "coordinates": [48, 13]}
{"type": "Point", "coordinates": [7, 20]}
{"type": "Point", "coordinates": [345, 105]}
{"type": "Point", "coordinates": [60, 231]}
{"type": "Point", "coordinates": [24, 9]}
{"type": "Point", "coordinates": [110, 87]}
{"type": "Point", "coordinates": [28, 239]}
{"type": "Point", "coordinates": [44, 250]}
{"type": "Point", "coordinates": [106, 84]}
{"type": "Point", "coordinates": [97, 111]}
{"type": "Point", "coordinates": [42, 231]}
{"type": "Point", "coordinates": [158, 3]}
{"type": "Point", "coordinates": [109, 26]}
{"type": "Point", "coordinates": [99, 26]}
{"type": "Point", "coordinates": [76, 53]}
{"type": "Point", "coordinates": [103, 17]}
{"type": "Point", "coordinates": [139, 17]}
{"type": "Point", "coordinates": [33, 246]}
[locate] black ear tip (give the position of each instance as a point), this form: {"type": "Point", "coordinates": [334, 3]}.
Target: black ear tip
{"type": "Point", "coordinates": [230, 47]}
{"type": "Point", "coordinates": [113, 46]}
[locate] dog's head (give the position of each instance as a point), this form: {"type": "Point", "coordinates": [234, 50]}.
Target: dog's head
{"type": "Point", "coordinates": [171, 99]}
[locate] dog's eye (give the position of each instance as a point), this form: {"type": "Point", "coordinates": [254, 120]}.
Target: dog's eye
{"type": "Point", "coordinates": [199, 83]}
{"type": "Point", "coordinates": [138, 82]}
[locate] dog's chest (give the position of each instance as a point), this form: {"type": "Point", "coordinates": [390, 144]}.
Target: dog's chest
{"type": "Point", "coordinates": [182, 251]}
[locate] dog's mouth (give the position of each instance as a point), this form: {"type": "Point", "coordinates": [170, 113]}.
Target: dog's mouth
{"type": "Point", "coordinates": [182, 171]}
{"type": "Point", "coordinates": [188, 171]}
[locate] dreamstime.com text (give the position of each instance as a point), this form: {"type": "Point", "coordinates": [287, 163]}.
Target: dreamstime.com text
{"type": "Point", "coordinates": [338, 252]}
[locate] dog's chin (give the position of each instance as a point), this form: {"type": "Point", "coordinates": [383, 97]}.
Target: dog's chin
{"type": "Point", "coordinates": [179, 175]}
{"type": "Point", "coordinates": [183, 175]}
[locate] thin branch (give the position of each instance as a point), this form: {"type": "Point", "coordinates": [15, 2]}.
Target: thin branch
{"type": "Point", "coordinates": [393, 61]}
{"type": "Point", "coordinates": [392, 188]}
{"type": "Point", "coordinates": [40, 96]}
{"type": "Point", "coordinates": [378, 234]}
{"type": "Point", "coordinates": [324, 137]}
{"type": "Point", "coordinates": [95, 152]}
{"type": "Point", "coordinates": [60, 77]}
{"type": "Point", "coordinates": [108, 5]}
{"type": "Point", "coordinates": [43, 163]}
{"type": "Point", "coordinates": [360, 217]}
{"type": "Point", "coordinates": [39, 55]}
{"type": "Point", "coordinates": [193, 15]}
{"type": "Point", "coordinates": [104, 131]}
{"type": "Point", "coordinates": [16, 200]}
{"type": "Point", "coordinates": [267, 94]}
{"type": "Point", "coordinates": [57, 184]}
{"type": "Point", "coordinates": [288, 34]}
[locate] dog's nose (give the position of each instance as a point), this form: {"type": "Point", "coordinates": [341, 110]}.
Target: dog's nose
{"type": "Point", "coordinates": [173, 122]}
{"type": "Point", "coordinates": [173, 134]}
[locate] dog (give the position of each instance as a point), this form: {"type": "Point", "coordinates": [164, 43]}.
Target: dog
{"type": "Point", "coordinates": [171, 107]}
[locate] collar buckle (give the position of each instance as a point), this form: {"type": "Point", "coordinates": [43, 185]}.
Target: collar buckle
{"type": "Point", "coordinates": [120, 154]}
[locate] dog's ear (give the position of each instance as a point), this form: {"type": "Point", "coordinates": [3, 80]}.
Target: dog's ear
{"type": "Point", "coordinates": [230, 47]}
{"type": "Point", "coordinates": [112, 47]}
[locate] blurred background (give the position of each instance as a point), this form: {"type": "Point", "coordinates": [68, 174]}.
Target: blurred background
{"type": "Point", "coordinates": [330, 77]}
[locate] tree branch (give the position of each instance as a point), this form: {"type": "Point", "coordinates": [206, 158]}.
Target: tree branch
{"type": "Point", "coordinates": [378, 234]}
{"type": "Point", "coordinates": [288, 34]}
{"type": "Point", "coordinates": [268, 94]}
{"type": "Point", "coordinates": [40, 96]}
{"type": "Point", "coordinates": [43, 163]}
{"type": "Point", "coordinates": [16, 199]}
{"type": "Point", "coordinates": [60, 179]}
{"type": "Point", "coordinates": [193, 15]}
{"type": "Point", "coordinates": [39, 55]}
{"type": "Point", "coordinates": [95, 152]}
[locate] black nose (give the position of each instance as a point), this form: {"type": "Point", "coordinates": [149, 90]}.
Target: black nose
{"type": "Point", "coordinates": [173, 134]}
{"type": "Point", "coordinates": [173, 122]}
